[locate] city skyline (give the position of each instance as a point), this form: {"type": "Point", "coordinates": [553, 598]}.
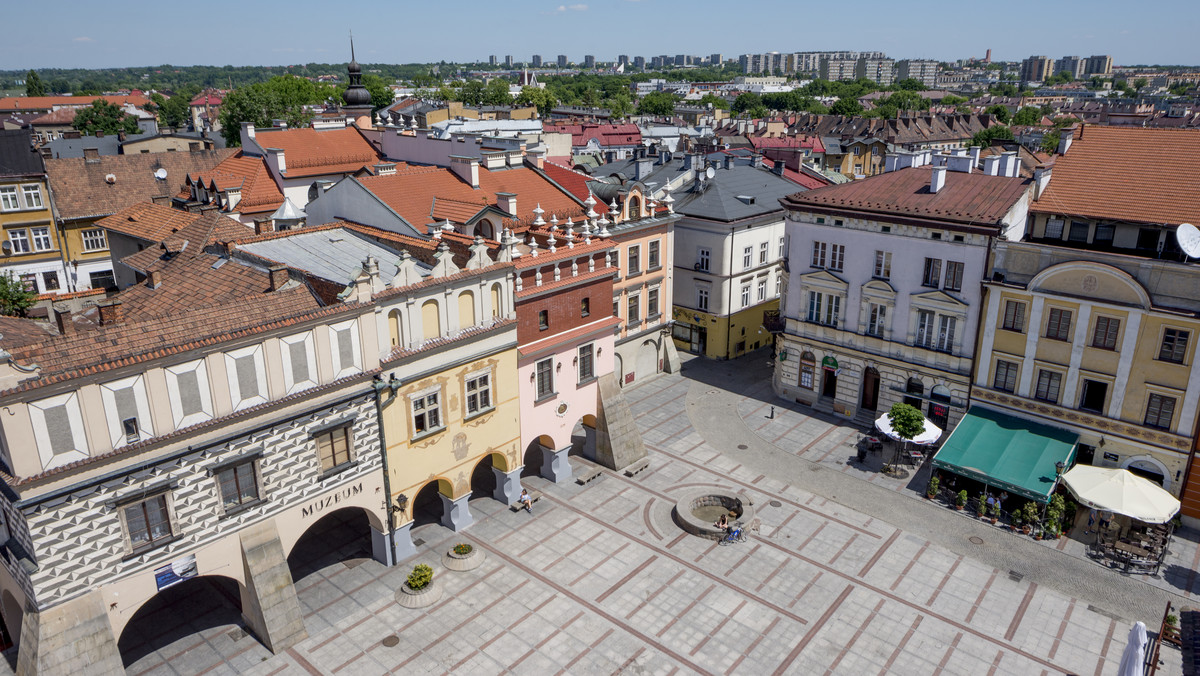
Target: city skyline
{"type": "Point", "coordinates": [306, 34]}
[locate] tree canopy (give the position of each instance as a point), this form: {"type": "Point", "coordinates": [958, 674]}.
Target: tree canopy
{"type": "Point", "coordinates": [1029, 115]}
{"type": "Point", "coordinates": [911, 84]}
{"type": "Point", "coordinates": [714, 100]}
{"type": "Point", "coordinates": [1000, 112]}
{"type": "Point", "coordinates": [746, 101]}
{"type": "Point", "coordinates": [176, 111]}
{"type": "Point", "coordinates": [846, 107]}
{"type": "Point", "coordinates": [15, 297]}
{"type": "Point", "coordinates": [984, 137]}
{"type": "Point", "coordinates": [281, 98]}
{"type": "Point", "coordinates": [33, 84]}
{"type": "Point", "coordinates": [533, 96]}
{"type": "Point", "coordinates": [906, 420]}
{"type": "Point", "coordinates": [105, 117]}
{"type": "Point", "coordinates": [657, 103]}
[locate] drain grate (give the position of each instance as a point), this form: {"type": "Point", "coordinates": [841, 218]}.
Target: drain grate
{"type": "Point", "coordinates": [391, 641]}
{"type": "Point", "coordinates": [353, 563]}
{"type": "Point", "coordinates": [975, 540]}
{"type": "Point", "coordinates": [1015, 576]}
{"type": "Point", "coordinates": [775, 503]}
{"type": "Point", "coordinates": [742, 447]}
{"type": "Point", "coordinates": [418, 542]}
{"type": "Point", "coordinates": [236, 634]}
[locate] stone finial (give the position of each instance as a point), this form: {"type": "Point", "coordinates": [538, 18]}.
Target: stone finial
{"type": "Point", "coordinates": [407, 272]}
{"type": "Point", "coordinates": [479, 255]}
{"type": "Point", "coordinates": [443, 265]}
{"type": "Point", "coordinates": [538, 211]}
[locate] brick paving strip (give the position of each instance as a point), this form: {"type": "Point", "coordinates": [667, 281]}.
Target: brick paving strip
{"type": "Point", "coordinates": [887, 666]}
{"type": "Point", "coordinates": [996, 663]}
{"type": "Point", "coordinates": [1112, 627]}
{"type": "Point", "coordinates": [878, 553]}
{"type": "Point", "coordinates": [567, 669]}
{"type": "Point", "coordinates": [862, 628]}
{"type": "Point", "coordinates": [887, 594]}
{"type": "Point", "coordinates": [720, 625]}
{"type": "Point", "coordinates": [946, 578]}
{"type": "Point", "coordinates": [513, 667]}
{"type": "Point", "coordinates": [949, 651]}
{"type": "Point", "coordinates": [982, 593]}
{"type": "Point", "coordinates": [911, 562]}
{"type": "Point", "coordinates": [304, 664]}
{"type": "Point", "coordinates": [753, 644]}
{"type": "Point", "coordinates": [654, 594]}
{"type": "Point", "coordinates": [812, 631]}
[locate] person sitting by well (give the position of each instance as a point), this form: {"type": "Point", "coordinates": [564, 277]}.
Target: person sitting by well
{"type": "Point", "coordinates": [722, 522]}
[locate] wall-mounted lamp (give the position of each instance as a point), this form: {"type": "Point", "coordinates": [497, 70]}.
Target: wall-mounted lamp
{"type": "Point", "coordinates": [558, 366]}
{"type": "Point", "coordinates": [532, 376]}
{"type": "Point", "coordinates": [392, 383]}
{"type": "Point", "coordinates": [599, 350]}
{"type": "Point", "coordinates": [1101, 442]}
{"type": "Point", "coordinates": [575, 361]}
{"type": "Point", "coordinates": [401, 503]}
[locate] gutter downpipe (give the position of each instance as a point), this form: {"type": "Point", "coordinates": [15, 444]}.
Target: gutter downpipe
{"type": "Point", "coordinates": [379, 385]}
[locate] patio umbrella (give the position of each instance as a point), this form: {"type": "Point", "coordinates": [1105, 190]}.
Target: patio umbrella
{"type": "Point", "coordinates": [929, 435]}
{"type": "Point", "coordinates": [1121, 491]}
{"type": "Point", "coordinates": [1133, 660]}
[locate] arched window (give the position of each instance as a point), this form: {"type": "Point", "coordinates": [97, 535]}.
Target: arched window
{"type": "Point", "coordinates": [635, 207]}
{"type": "Point", "coordinates": [466, 309]}
{"type": "Point", "coordinates": [394, 328]}
{"type": "Point", "coordinates": [939, 405]}
{"type": "Point", "coordinates": [808, 370]}
{"type": "Point", "coordinates": [485, 229]}
{"type": "Point", "coordinates": [497, 293]}
{"type": "Point", "coordinates": [431, 324]}
{"type": "Point", "coordinates": [914, 386]}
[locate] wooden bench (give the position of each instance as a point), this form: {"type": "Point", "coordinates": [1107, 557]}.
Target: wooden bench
{"type": "Point", "coordinates": [534, 496]}
{"type": "Point", "coordinates": [638, 466]}
{"type": "Point", "coordinates": [588, 475]}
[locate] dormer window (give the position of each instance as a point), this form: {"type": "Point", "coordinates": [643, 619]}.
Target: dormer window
{"type": "Point", "coordinates": [130, 426]}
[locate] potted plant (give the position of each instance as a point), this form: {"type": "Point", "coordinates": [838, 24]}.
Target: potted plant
{"type": "Point", "coordinates": [995, 512]}
{"type": "Point", "coordinates": [935, 483]}
{"type": "Point", "coordinates": [463, 557]}
{"type": "Point", "coordinates": [1032, 518]}
{"type": "Point", "coordinates": [1018, 521]}
{"type": "Point", "coordinates": [960, 501]}
{"type": "Point", "coordinates": [420, 589]}
{"type": "Point", "coordinates": [981, 507]}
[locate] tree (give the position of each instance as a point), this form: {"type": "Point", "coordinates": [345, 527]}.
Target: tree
{"type": "Point", "coordinates": [283, 97]}
{"type": "Point", "coordinates": [105, 117]}
{"type": "Point", "coordinates": [176, 111]}
{"type": "Point", "coordinates": [657, 103]}
{"type": "Point", "coordinates": [496, 93]}
{"type": "Point", "coordinates": [619, 105]}
{"type": "Point", "coordinates": [1050, 141]}
{"type": "Point", "coordinates": [846, 106]}
{"type": "Point", "coordinates": [471, 93]}
{"type": "Point", "coordinates": [746, 101]}
{"type": "Point", "coordinates": [381, 93]}
{"type": "Point", "coordinates": [985, 137]}
{"type": "Point", "coordinates": [33, 84]}
{"type": "Point", "coordinates": [1029, 115]}
{"type": "Point", "coordinates": [911, 84]}
{"type": "Point", "coordinates": [1003, 89]}
{"type": "Point", "coordinates": [60, 85]}
{"type": "Point", "coordinates": [907, 421]}
{"type": "Point", "coordinates": [952, 100]}
{"type": "Point", "coordinates": [1140, 83]}
{"type": "Point", "coordinates": [714, 101]}
{"type": "Point", "coordinates": [15, 297]}
{"type": "Point", "coordinates": [1000, 112]}
{"type": "Point", "coordinates": [543, 99]}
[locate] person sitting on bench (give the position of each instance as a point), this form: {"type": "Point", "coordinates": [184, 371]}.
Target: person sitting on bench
{"type": "Point", "coordinates": [526, 500]}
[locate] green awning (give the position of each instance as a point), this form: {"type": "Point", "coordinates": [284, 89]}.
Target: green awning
{"type": "Point", "coordinates": [1007, 452]}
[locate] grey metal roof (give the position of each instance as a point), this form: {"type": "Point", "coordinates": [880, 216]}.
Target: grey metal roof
{"type": "Point", "coordinates": [73, 147]}
{"type": "Point", "coordinates": [336, 255]}
{"type": "Point", "coordinates": [17, 156]}
{"type": "Point", "coordinates": [722, 199]}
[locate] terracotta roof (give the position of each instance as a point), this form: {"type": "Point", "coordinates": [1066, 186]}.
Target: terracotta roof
{"type": "Point", "coordinates": [56, 117]}
{"type": "Point", "coordinates": [81, 191]}
{"type": "Point", "coordinates": [148, 221]}
{"type": "Point", "coordinates": [207, 99]}
{"type": "Point", "coordinates": [1142, 175]}
{"type": "Point", "coordinates": [13, 103]}
{"type": "Point", "coordinates": [188, 241]}
{"type": "Point", "coordinates": [117, 345]}
{"type": "Point", "coordinates": [574, 181]}
{"type": "Point", "coordinates": [18, 331]}
{"type": "Point", "coordinates": [259, 192]}
{"type": "Point", "coordinates": [973, 199]}
{"type": "Point", "coordinates": [309, 152]}
{"type": "Point", "coordinates": [605, 134]}
{"type": "Point", "coordinates": [412, 192]}
{"type": "Point", "coordinates": [190, 282]}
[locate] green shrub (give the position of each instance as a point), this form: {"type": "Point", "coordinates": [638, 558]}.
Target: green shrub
{"type": "Point", "coordinates": [935, 482]}
{"type": "Point", "coordinates": [420, 577]}
{"type": "Point", "coordinates": [961, 500]}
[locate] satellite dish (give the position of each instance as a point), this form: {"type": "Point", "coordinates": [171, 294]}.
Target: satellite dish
{"type": "Point", "coordinates": [160, 174]}
{"type": "Point", "coordinates": [710, 172]}
{"type": "Point", "coordinates": [1188, 237]}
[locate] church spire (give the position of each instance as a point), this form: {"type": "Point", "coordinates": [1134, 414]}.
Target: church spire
{"type": "Point", "coordinates": [356, 94]}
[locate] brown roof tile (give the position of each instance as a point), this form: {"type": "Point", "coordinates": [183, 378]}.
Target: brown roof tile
{"type": "Point", "coordinates": [188, 241]}
{"type": "Point", "coordinates": [18, 331]}
{"type": "Point", "coordinates": [49, 102]}
{"type": "Point", "coordinates": [258, 189]}
{"type": "Point", "coordinates": [148, 221]}
{"type": "Point", "coordinates": [1142, 175]}
{"type": "Point", "coordinates": [309, 152]}
{"type": "Point", "coordinates": [81, 191]}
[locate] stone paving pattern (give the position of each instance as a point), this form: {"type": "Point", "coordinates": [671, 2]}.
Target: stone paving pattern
{"type": "Point", "coordinates": [599, 580]}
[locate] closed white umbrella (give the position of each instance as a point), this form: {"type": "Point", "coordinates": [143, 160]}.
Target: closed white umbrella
{"type": "Point", "coordinates": [1133, 660]}
{"type": "Point", "coordinates": [1121, 491]}
{"type": "Point", "coordinates": [929, 435]}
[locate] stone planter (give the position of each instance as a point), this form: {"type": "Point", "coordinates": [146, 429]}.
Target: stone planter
{"type": "Point", "coordinates": [419, 598]}
{"type": "Point", "coordinates": [464, 562]}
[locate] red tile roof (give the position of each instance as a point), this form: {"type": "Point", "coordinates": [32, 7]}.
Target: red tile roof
{"type": "Point", "coordinates": [605, 134]}
{"type": "Point", "coordinates": [17, 103]}
{"type": "Point", "coordinates": [191, 282]}
{"type": "Point", "coordinates": [574, 181]}
{"type": "Point", "coordinates": [260, 194]}
{"type": "Point", "coordinates": [973, 199]}
{"type": "Point", "coordinates": [18, 331]}
{"type": "Point", "coordinates": [1141, 175]}
{"type": "Point", "coordinates": [309, 152]}
{"type": "Point", "coordinates": [207, 99]}
{"type": "Point", "coordinates": [148, 221]}
{"type": "Point", "coordinates": [412, 192]}
{"type": "Point", "coordinates": [56, 117]}
{"type": "Point", "coordinates": [188, 241]}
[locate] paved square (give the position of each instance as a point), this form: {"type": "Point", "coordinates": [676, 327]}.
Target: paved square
{"type": "Point", "coordinates": [599, 579]}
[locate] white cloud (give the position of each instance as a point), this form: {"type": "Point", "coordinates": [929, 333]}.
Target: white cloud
{"type": "Point", "coordinates": [82, 39]}
{"type": "Point", "coordinates": [573, 8]}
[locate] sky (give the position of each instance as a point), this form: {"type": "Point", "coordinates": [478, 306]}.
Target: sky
{"type": "Point", "coordinates": [218, 32]}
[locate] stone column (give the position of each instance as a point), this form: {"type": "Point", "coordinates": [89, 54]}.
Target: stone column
{"type": "Point", "coordinates": [455, 514]}
{"type": "Point", "coordinates": [381, 547]}
{"type": "Point", "coordinates": [508, 485]}
{"type": "Point", "coordinates": [554, 464]}
{"type": "Point", "coordinates": [269, 603]}
{"type": "Point", "coordinates": [402, 537]}
{"type": "Point", "coordinates": [74, 637]}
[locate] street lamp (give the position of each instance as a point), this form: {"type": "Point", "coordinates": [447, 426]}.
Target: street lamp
{"type": "Point", "coordinates": [1059, 467]}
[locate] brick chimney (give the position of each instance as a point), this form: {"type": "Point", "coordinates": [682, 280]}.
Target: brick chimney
{"type": "Point", "coordinates": [507, 202]}
{"type": "Point", "coordinates": [111, 313]}
{"type": "Point", "coordinates": [62, 318]}
{"type": "Point", "coordinates": [279, 276]}
{"type": "Point", "coordinates": [154, 279]}
{"type": "Point", "coordinates": [91, 153]}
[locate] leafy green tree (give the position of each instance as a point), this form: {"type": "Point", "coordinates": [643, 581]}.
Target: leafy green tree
{"type": "Point", "coordinates": [496, 93]}
{"type": "Point", "coordinates": [283, 97]}
{"type": "Point", "coordinates": [1003, 89]}
{"type": "Point", "coordinates": [15, 297]}
{"type": "Point", "coordinates": [471, 93]}
{"type": "Point", "coordinates": [907, 421]}
{"type": "Point", "coordinates": [746, 101]}
{"type": "Point", "coordinates": [1000, 112]}
{"type": "Point", "coordinates": [1140, 83]}
{"type": "Point", "coordinates": [105, 117]}
{"type": "Point", "coordinates": [34, 85]}
{"type": "Point", "coordinates": [757, 113]}
{"type": "Point", "coordinates": [846, 106]}
{"type": "Point", "coordinates": [657, 103]}
{"type": "Point", "coordinates": [911, 84]}
{"type": "Point", "coordinates": [984, 137]}
{"type": "Point", "coordinates": [176, 111]}
{"type": "Point", "coordinates": [714, 101]}
{"type": "Point", "coordinates": [620, 105]}
{"type": "Point", "coordinates": [60, 85]}
{"type": "Point", "coordinates": [534, 96]}
{"type": "Point", "coordinates": [1050, 141]}
{"type": "Point", "coordinates": [1029, 115]}
{"type": "Point", "coordinates": [381, 93]}
{"type": "Point", "coordinates": [952, 100]}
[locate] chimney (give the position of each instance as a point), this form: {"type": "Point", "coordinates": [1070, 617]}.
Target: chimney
{"type": "Point", "coordinates": [728, 161]}
{"type": "Point", "coordinates": [688, 161]}
{"type": "Point", "coordinates": [91, 155]}
{"type": "Point", "coordinates": [756, 160]}
{"type": "Point", "coordinates": [975, 156]}
{"type": "Point", "coordinates": [1064, 140]}
{"type": "Point", "coordinates": [194, 146]}
{"type": "Point", "coordinates": [991, 165]}
{"type": "Point", "coordinates": [642, 168]}
{"type": "Point", "coordinates": [538, 157]}
{"type": "Point", "coordinates": [937, 179]}
{"type": "Point", "coordinates": [466, 168]}
{"type": "Point", "coordinates": [275, 156]}
{"type": "Point", "coordinates": [62, 318]}
{"type": "Point", "coordinates": [1041, 179]}
{"type": "Point", "coordinates": [890, 163]}
{"type": "Point", "coordinates": [507, 202]}
{"type": "Point", "coordinates": [154, 279]}
{"type": "Point", "coordinates": [1012, 165]}
{"type": "Point", "coordinates": [777, 169]}
{"type": "Point", "coordinates": [960, 163]}
{"type": "Point", "coordinates": [264, 226]}
{"type": "Point", "coordinates": [111, 313]}
{"type": "Point", "coordinates": [279, 276]}
{"type": "Point", "coordinates": [385, 169]}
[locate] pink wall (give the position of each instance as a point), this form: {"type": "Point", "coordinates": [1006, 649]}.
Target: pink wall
{"type": "Point", "coordinates": [542, 418]}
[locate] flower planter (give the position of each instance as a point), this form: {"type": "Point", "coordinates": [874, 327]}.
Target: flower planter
{"type": "Point", "coordinates": [428, 595]}
{"type": "Point", "coordinates": [464, 562]}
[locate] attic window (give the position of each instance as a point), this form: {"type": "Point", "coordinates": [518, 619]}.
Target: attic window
{"type": "Point", "coordinates": [886, 228]}
{"type": "Point", "coordinates": [935, 235]}
{"type": "Point", "coordinates": [746, 199]}
{"type": "Point", "coordinates": [958, 238]}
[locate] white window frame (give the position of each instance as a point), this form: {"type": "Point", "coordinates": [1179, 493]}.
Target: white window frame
{"type": "Point", "coordinates": [703, 259]}
{"type": "Point", "coordinates": [480, 392]}
{"type": "Point", "coordinates": [762, 253]}
{"type": "Point", "coordinates": [10, 198]}
{"type": "Point", "coordinates": [746, 294]}
{"type": "Point", "coordinates": [947, 328]}
{"type": "Point", "coordinates": [876, 319]}
{"type": "Point", "coordinates": [748, 257]}
{"type": "Point", "coordinates": [762, 289]}
{"type": "Point", "coordinates": [423, 399]}
{"type": "Point", "coordinates": [634, 258]}
{"type": "Point", "coordinates": [537, 386]}
{"type": "Point", "coordinates": [94, 239]}
{"type": "Point", "coordinates": [883, 265]}
{"type": "Point", "coordinates": [40, 236]}
{"type": "Point", "coordinates": [18, 239]}
{"type": "Point", "coordinates": [837, 257]}
{"type": "Point", "coordinates": [819, 254]}
{"type": "Point", "coordinates": [31, 194]}
{"type": "Point", "coordinates": [702, 297]}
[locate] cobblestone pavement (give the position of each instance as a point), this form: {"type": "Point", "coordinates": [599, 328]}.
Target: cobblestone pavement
{"type": "Point", "coordinates": [846, 576]}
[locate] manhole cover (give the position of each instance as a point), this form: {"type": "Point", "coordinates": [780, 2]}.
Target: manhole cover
{"type": "Point", "coordinates": [776, 503]}
{"type": "Point", "coordinates": [742, 447]}
{"type": "Point", "coordinates": [391, 641]}
{"type": "Point", "coordinates": [975, 540]}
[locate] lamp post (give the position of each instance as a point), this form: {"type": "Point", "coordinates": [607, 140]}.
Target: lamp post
{"type": "Point", "coordinates": [1059, 468]}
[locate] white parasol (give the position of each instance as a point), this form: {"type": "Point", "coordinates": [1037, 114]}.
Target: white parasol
{"type": "Point", "coordinates": [1133, 660]}
{"type": "Point", "coordinates": [929, 435]}
{"type": "Point", "coordinates": [1121, 491]}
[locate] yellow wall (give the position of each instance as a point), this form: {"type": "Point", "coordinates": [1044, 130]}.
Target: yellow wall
{"type": "Point", "coordinates": [726, 332]}
{"type": "Point", "coordinates": [450, 456]}
{"type": "Point", "coordinates": [73, 241]}
{"type": "Point", "coordinates": [26, 219]}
